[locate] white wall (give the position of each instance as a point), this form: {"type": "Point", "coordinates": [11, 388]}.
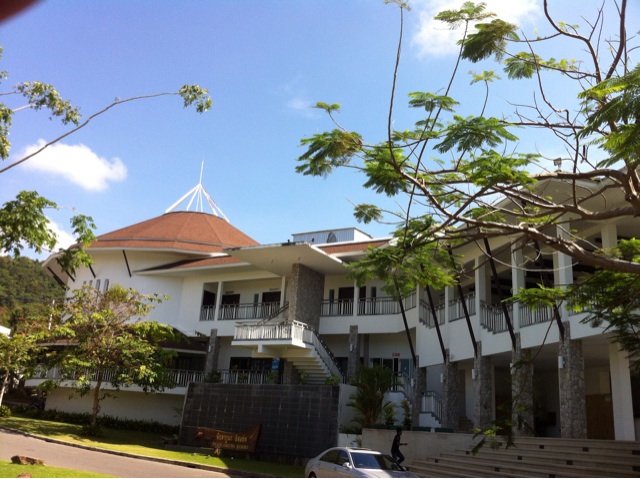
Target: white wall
{"type": "Point", "coordinates": [162, 408]}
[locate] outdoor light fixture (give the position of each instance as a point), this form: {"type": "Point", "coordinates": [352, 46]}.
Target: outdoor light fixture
{"type": "Point", "coordinates": [474, 374]}
{"type": "Point", "coordinates": [558, 163]}
{"type": "Point", "coordinates": [441, 377]}
{"type": "Point", "coordinates": [560, 362]}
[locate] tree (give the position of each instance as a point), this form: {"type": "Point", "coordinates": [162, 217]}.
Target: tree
{"type": "Point", "coordinates": [26, 291]}
{"type": "Point", "coordinates": [368, 401]}
{"type": "Point", "coordinates": [454, 200]}
{"type": "Point", "coordinates": [462, 179]}
{"type": "Point", "coordinates": [105, 341]}
{"type": "Point", "coordinates": [16, 358]}
{"type": "Point", "coordinates": [23, 221]}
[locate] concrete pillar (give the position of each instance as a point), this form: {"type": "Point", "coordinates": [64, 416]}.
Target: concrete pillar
{"type": "Point", "coordinates": [353, 361]}
{"type": "Point", "coordinates": [563, 267]}
{"type": "Point", "coordinates": [522, 391]}
{"type": "Point", "coordinates": [621, 397]}
{"type": "Point", "coordinates": [216, 314]}
{"type": "Point", "coordinates": [213, 351]}
{"type": "Point", "coordinates": [482, 376]}
{"type": "Point", "coordinates": [450, 395]}
{"type": "Point", "coordinates": [573, 404]}
{"type": "Point", "coordinates": [517, 281]}
{"type": "Point", "coordinates": [483, 283]}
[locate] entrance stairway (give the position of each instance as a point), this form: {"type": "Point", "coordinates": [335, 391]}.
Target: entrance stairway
{"type": "Point", "coordinates": [538, 457]}
{"type": "Point", "coordinates": [293, 341]}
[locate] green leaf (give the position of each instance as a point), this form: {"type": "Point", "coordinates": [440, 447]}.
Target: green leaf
{"type": "Point", "coordinates": [328, 150]}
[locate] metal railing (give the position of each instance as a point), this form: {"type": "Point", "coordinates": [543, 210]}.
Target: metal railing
{"type": "Point", "coordinates": [244, 376]}
{"type": "Point", "coordinates": [456, 308]}
{"type": "Point", "coordinates": [367, 306]}
{"type": "Point", "coordinates": [529, 315]}
{"type": "Point", "coordinates": [427, 317]}
{"type": "Point", "coordinates": [432, 403]}
{"type": "Point", "coordinates": [239, 311]}
{"type": "Point", "coordinates": [180, 377]}
{"type": "Point", "coordinates": [492, 317]}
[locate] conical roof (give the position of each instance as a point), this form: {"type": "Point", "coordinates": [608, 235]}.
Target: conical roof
{"type": "Point", "coordinates": [180, 231]}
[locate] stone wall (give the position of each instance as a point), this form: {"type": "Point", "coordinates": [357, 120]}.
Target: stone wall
{"type": "Point", "coordinates": [297, 421]}
{"type": "Point", "coordinates": [306, 289]}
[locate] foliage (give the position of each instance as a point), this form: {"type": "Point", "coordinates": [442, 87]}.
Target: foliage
{"type": "Point", "coordinates": [372, 384]}
{"type": "Point", "coordinates": [26, 292]}
{"type": "Point", "coordinates": [460, 178]}
{"type": "Point", "coordinates": [611, 299]}
{"type": "Point", "coordinates": [5, 411]}
{"type": "Point", "coordinates": [406, 408]}
{"type": "Point", "coordinates": [16, 358]}
{"type": "Point", "coordinates": [23, 221]}
{"type": "Point", "coordinates": [108, 342]}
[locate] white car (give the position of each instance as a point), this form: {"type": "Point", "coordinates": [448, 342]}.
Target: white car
{"type": "Point", "coordinates": [354, 462]}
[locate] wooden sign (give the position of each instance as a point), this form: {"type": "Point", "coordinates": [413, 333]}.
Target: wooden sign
{"type": "Point", "coordinates": [229, 441]}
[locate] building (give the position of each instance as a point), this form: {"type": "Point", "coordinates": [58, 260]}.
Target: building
{"type": "Point", "coordinates": [287, 313]}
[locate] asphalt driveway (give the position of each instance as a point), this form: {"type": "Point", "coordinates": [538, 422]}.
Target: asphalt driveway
{"type": "Point", "coordinates": [60, 455]}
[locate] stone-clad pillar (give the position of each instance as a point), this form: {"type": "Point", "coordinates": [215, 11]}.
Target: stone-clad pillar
{"type": "Point", "coordinates": [573, 403]}
{"type": "Point", "coordinates": [305, 295]}
{"type": "Point", "coordinates": [482, 390]}
{"type": "Point", "coordinates": [451, 394]}
{"type": "Point", "coordinates": [353, 361]}
{"type": "Point", "coordinates": [522, 391]}
{"type": "Point", "coordinates": [213, 351]}
{"type": "Point", "coordinates": [419, 390]}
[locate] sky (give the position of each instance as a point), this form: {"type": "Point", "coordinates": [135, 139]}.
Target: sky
{"type": "Point", "coordinates": [265, 63]}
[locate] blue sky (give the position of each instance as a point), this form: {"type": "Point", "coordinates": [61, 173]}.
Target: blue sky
{"type": "Point", "coordinates": [264, 62]}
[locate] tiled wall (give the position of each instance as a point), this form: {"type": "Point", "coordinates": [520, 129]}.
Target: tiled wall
{"type": "Point", "coordinates": [297, 420]}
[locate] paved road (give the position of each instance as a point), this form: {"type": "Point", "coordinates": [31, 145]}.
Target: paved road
{"type": "Point", "coordinates": [53, 454]}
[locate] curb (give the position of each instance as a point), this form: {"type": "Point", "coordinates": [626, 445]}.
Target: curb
{"type": "Point", "coordinates": [174, 462]}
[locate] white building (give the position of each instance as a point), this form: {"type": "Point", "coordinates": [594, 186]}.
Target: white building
{"type": "Point", "coordinates": [286, 312]}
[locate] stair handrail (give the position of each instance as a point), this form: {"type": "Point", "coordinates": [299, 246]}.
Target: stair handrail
{"type": "Point", "coordinates": [432, 404]}
{"type": "Point", "coordinates": [276, 313]}
{"type": "Point", "coordinates": [312, 337]}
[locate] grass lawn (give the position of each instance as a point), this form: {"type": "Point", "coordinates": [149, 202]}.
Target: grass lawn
{"type": "Point", "coordinates": [7, 469]}
{"type": "Point", "coordinates": [141, 443]}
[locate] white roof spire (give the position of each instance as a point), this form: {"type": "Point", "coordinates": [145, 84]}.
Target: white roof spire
{"type": "Point", "coordinates": [199, 194]}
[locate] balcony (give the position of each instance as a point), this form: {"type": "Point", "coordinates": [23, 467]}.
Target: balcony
{"type": "Point", "coordinates": [366, 306]}
{"type": "Point", "coordinates": [241, 311]}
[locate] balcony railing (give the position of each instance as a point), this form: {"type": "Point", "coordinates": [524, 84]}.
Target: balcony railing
{"type": "Point", "coordinates": [244, 376]}
{"type": "Point", "coordinates": [456, 308]}
{"type": "Point", "coordinates": [240, 311]}
{"type": "Point", "coordinates": [426, 316]}
{"type": "Point", "coordinates": [180, 377]}
{"type": "Point", "coordinates": [492, 317]}
{"type": "Point", "coordinates": [529, 316]}
{"type": "Point", "coordinates": [367, 306]}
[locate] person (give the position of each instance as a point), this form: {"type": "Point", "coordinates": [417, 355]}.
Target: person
{"type": "Point", "coordinates": [395, 447]}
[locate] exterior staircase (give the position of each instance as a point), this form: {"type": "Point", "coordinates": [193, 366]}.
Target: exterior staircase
{"type": "Point", "coordinates": [538, 457]}
{"type": "Point", "coordinates": [291, 340]}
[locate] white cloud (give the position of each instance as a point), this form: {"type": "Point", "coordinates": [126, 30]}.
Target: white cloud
{"type": "Point", "coordinates": [64, 239]}
{"type": "Point", "coordinates": [298, 100]}
{"type": "Point", "coordinates": [76, 163]}
{"type": "Point", "coordinates": [434, 38]}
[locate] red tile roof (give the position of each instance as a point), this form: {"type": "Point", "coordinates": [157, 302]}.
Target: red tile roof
{"type": "Point", "coordinates": [177, 231]}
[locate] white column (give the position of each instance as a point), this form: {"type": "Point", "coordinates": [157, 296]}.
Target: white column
{"type": "Point", "coordinates": [218, 300]}
{"type": "Point", "coordinates": [283, 291]}
{"type": "Point", "coordinates": [609, 236]}
{"type": "Point", "coordinates": [482, 285]}
{"type": "Point", "coordinates": [517, 281]}
{"type": "Point", "coordinates": [621, 399]}
{"type": "Point", "coordinates": [356, 298]}
{"type": "Point", "coordinates": [563, 266]}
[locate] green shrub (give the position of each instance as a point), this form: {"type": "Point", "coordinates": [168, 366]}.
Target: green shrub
{"type": "Point", "coordinates": [111, 422]}
{"type": "Point", "coordinates": [5, 411]}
